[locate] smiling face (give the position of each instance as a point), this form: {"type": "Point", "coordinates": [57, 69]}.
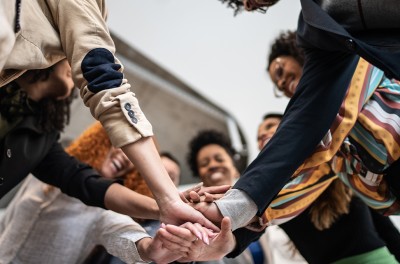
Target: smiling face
{"type": "Point", "coordinates": [116, 164]}
{"type": "Point", "coordinates": [285, 73]}
{"type": "Point", "coordinates": [215, 166]}
{"type": "Point", "coordinates": [266, 130]}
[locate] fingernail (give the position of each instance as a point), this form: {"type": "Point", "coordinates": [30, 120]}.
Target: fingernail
{"type": "Point", "coordinates": [199, 235]}
{"type": "Point", "coordinates": [206, 241]}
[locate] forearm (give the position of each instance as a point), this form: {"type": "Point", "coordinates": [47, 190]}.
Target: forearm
{"type": "Point", "coordinates": [145, 156]}
{"type": "Point", "coordinates": [125, 201]}
{"type": "Point", "coordinates": [232, 204]}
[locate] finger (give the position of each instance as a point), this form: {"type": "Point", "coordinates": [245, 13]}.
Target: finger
{"type": "Point", "coordinates": [178, 235]}
{"type": "Point", "coordinates": [185, 194]}
{"type": "Point", "coordinates": [215, 189]}
{"type": "Point", "coordinates": [183, 197]}
{"type": "Point", "coordinates": [165, 242]}
{"type": "Point", "coordinates": [208, 198]}
{"type": "Point", "coordinates": [204, 233]}
{"type": "Point", "coordinates": [199, 231]}
{"type": "Point", "coordinates": [226, 226]}
{"type": "Point", "coordinates": [194, 197]}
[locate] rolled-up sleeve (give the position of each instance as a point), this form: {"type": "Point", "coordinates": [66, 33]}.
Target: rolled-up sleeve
{"type": "Point", "coordinates": [98, 74]}
{"type": "Point", "coordinates": [119, 234]}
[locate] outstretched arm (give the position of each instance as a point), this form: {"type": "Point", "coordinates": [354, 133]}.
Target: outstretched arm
{"type": "Point", "coordinates": [172, 209]}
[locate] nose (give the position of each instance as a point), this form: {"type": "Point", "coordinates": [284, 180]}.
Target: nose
{"type": "Point", "coordinates": [212, 165]}
{"type": "Point", "coordinates": [281, 83]}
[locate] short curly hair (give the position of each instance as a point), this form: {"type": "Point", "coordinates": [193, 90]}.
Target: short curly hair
{"type": "Point", "coordinates": [92, 147]}
{"type": "Point", "coordinates": [204, 138]}
{"type": "Point", "coordinates": [285, 45]}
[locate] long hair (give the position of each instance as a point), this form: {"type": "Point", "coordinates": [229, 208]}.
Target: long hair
{"type": "Point", "coordinates": [52, 114]}
{"type": "Point", "coordinates": [92, 147]}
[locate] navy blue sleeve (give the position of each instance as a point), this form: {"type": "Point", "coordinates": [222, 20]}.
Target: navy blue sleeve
{"type": "Point", "coordinates": [308, 117]}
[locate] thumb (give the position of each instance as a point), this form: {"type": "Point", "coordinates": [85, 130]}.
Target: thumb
{"type": "Point", "coordinates": [226, 225]}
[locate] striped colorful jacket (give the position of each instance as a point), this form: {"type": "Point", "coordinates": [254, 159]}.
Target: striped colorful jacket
{"type": "Point", "coordinates": [362, 142]}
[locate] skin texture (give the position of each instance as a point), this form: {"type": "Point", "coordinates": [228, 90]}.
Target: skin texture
{"type": "Point", "coordinates": [58, 86]}
{"type": "Point", "coordinates": [173, 169]}
{"type": "Point", "coordinates": [116, 164]}
{"type": "Point", "coordinates": [266, 130]}
{"type": "Point", "coordinates": [220, 245]}
{"type": "Point", "coordinates": [215, 166]}
{"type": "Point", "coordinates": [285, 73]}
{"type": "Point", "coordinates": [170, 245]}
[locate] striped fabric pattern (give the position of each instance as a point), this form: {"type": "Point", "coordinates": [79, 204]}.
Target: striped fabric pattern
{"type": "Point", "coordinates": [299, 194]}
{"type": "Point", "coordinates": [370, 115]}
{"type": "Point", "coordinates": [363, 83]}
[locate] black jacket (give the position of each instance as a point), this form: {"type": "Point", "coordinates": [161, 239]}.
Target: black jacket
{"type": "Point", "coordinates": [27, 149]}
{"type": "Point", "coordinates": [331, 56]}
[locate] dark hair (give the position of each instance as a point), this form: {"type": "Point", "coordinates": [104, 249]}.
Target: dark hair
{"type": "Point", "coordinates": [204, 138]}
{"type": "Point", "coordinates": [272, 115]}
{"type": "Point", "coordinates": [238, 6]}
{"type": "Point", "coordinates": [55, 114]}
{"type": "Point", "coordinates": [170, 156]}
{"type": "Point", "coordinates": [52, 114]}
{"type": "Point", "coordinates": [285, 45]}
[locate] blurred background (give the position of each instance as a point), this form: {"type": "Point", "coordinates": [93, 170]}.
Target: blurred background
{"type": "Point", "coordinates": [194, 65]}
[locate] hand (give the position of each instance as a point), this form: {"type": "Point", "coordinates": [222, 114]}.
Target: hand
{"type": "Point", "coordinates": [199, 193]}
{"type": "Point", "coordinates": [168, 246]}
{"type": "Point", "coordinates": [222, 244]}
{"type": "Point", "coordinates": [209, 210]}
{"type": "Point", "coordinates": [178, 212]}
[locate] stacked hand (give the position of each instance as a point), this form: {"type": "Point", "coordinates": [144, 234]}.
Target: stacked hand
{"type": "Point", "coordinates": [172, 242]}
{"type": "Point", "coordinates": [190, 241]}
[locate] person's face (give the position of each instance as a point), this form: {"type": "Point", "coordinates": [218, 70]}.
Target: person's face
{"type": "Point", "coordinates": [173, 169]}
{"type": "Point", "coordinates": [251, 5]}
{"type": "Point", "coordinates": [116, 164]}
{"type": "Point", "coordinates": [215, 166]}
{"type": "Point", "coordinates": [266, 130]}
{"type": "Point", "coordinates": [285, 73]}
{"type": "Point", "coordinates": [59, 85]}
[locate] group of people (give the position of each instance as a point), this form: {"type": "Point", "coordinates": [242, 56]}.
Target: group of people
{"type": "Point", "coordinates": [327, 175]}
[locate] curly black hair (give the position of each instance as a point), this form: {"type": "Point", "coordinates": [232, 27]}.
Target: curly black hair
{"type": "Point", "coordinates": [204, 138]}
{"type": "Point", "coordinates": [285, 45]}
{"type": "Point", "coordinates": [52, 114]}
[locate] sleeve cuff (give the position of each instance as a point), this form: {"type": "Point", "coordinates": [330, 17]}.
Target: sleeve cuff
{"type": "Point", "coordinates": [238, 206]}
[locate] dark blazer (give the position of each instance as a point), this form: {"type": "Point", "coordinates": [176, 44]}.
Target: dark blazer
{"type": "Point", "coordinates": [27, 149]}
{"type": "Point", "coordinates": [331, 56]}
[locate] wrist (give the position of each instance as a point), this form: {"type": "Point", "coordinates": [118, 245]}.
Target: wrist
{"type": "Point", "coordinates": [142, 246]}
